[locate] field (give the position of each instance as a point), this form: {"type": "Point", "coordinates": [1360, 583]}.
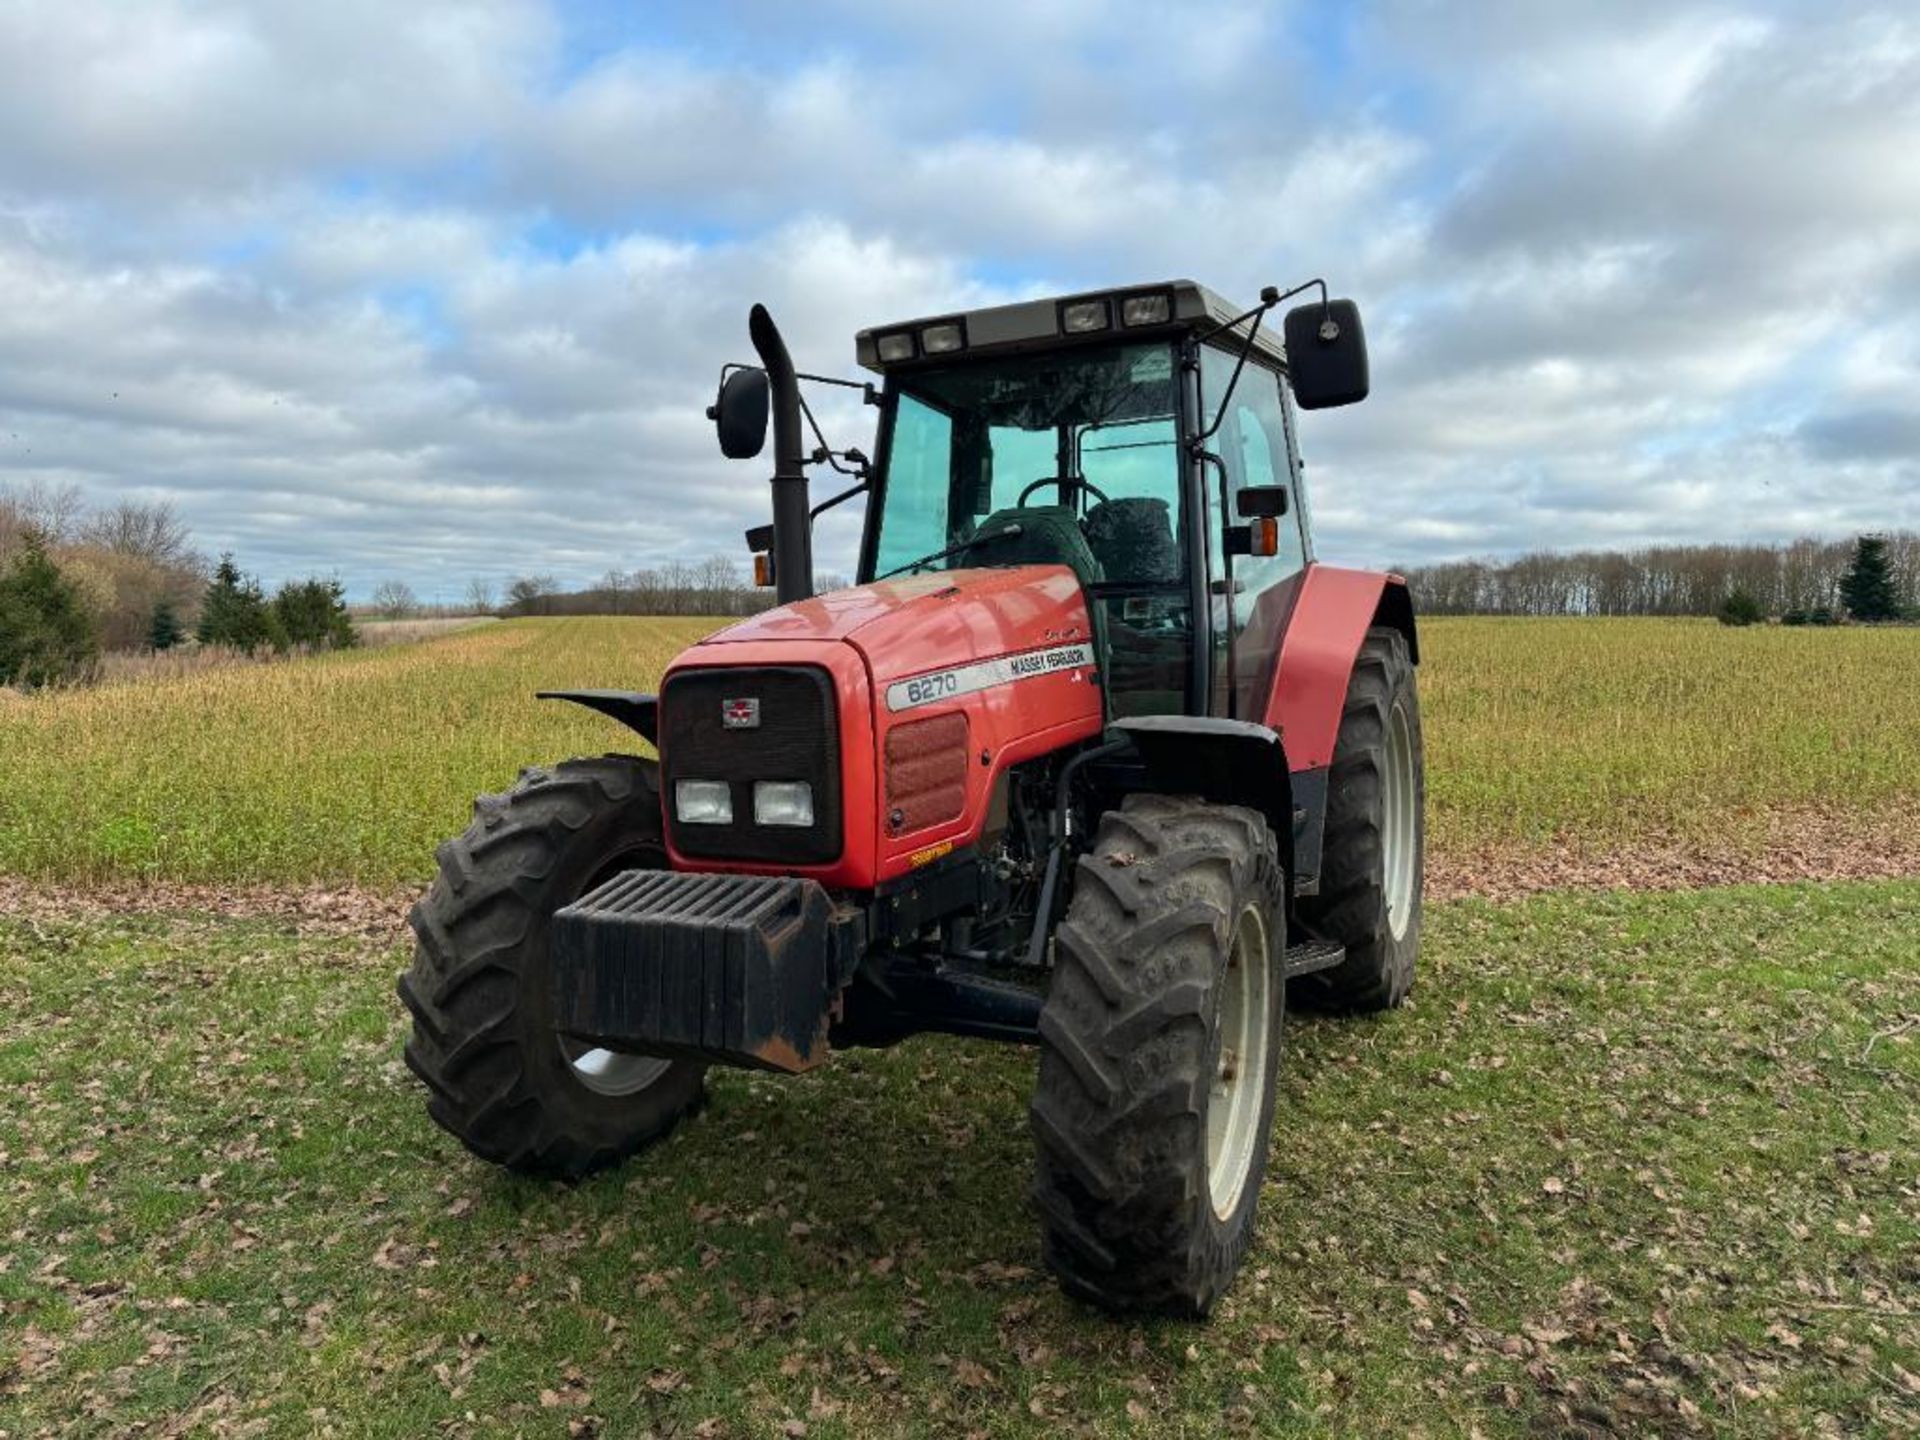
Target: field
{"type": "Point", "coordinates": [1594, 737]}
{"type": "Point", "coordinates": [1630, 1163]}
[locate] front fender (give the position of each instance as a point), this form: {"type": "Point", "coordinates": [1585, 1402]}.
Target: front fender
{"type": "Point", "coordinates": [1230, 762]}
{"type": "Point", "coordinates": [638, 712]}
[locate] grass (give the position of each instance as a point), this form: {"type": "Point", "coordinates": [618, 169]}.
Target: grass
{"type": "Point", "coordinates": [1647, 1163]}
{"type": "Point", "coordinates": [352, 767]}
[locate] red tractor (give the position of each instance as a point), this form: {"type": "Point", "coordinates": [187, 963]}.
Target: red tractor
{"type": "Point", "coordinates": [1097, 758]}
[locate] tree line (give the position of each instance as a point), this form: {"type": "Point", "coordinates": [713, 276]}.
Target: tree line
{"type": "Point", "coordinates": [715, 586]}
{"type": "Point", "coordinates": [1800, 579]}
{"type": "Point", "coordinates": [75, 583]}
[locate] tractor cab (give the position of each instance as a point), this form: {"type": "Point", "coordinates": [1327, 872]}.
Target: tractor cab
{"type": "Point", "coordinates": [1144, 439]}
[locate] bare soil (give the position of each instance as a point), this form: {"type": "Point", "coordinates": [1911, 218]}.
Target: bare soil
{"type": "Point", "coordinates": [1793, 844]}
{"type": "Point", "coordinates": [1796, 845]}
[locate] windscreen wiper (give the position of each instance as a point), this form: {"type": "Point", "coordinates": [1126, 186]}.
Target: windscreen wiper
{"type": "Point", "coordinates": [952, 550]}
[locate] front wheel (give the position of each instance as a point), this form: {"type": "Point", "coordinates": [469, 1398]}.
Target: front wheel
{"type": "Point", "coordinates": [1160, 1045]}
{"type": "Point", "coordinates": [501, 1078]}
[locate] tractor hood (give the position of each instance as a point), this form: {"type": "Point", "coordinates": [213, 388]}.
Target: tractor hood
{"type": "Point", "coordinates": [921, 622]}
{"type": "Point", "coordinates": [943, 682]}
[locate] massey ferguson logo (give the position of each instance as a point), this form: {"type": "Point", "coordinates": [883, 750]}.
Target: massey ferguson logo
{"type": "Point", "coordinates": [741, 714]}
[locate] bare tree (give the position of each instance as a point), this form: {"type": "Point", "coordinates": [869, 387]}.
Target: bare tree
{"type": "Point", "coordinates": [146, 532]}
{"type": "Point", "coordinates": [719, 581]}
{"type": "Point", "coordinates": [395, 599]}
{"type": "Point", "coordinates": [51, 511]}
{"type": "Point", "coordinates": [615, 585]}
{"type": "Point", "coordinates": [676, 585]}
{"type": "Point", "coordinates": [646, 592]}
{"type": "Point", "coordinates": [480, 595]}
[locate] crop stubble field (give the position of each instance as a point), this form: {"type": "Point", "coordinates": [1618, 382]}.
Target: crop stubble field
{"type": "Point", "coordinates": [1629, 1163]}
{"type": "Point", "coordinates": [1595, 735]}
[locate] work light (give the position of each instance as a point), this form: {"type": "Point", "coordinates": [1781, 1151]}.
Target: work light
{"type": "Point", "coordinates": [782, 802]}
{"type": "Point", "coordinates": [897, 346]}
{"type": "Point", "coordinates": [1146, 309]}
{"type": "Point", "coordinates": [1082, 317]}
{"type": "Point", "coordinates": [702, 802]}
{"type": "Point", "coordinates": [942, 339]}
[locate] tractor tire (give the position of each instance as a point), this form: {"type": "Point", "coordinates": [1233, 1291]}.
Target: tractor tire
{"type": "Point", "coordinates": [1374, 848]}
{"type": "Point", "coordinates": [501, 1079]}
{"type": "Point", "coordinates": [1160, 1042]}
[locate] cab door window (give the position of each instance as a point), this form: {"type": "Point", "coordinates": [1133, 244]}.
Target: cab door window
{"type": "Point", "coordinates": [1255, 446]}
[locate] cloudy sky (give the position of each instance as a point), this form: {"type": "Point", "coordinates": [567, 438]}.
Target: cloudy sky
{"type": "Point", "coordinates": [436, 290]}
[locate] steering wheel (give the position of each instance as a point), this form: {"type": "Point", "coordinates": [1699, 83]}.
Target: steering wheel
{"type": "Point", "coordinates": [1063, 481]}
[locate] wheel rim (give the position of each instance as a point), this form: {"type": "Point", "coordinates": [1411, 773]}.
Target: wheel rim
{"type": "Point", "coordinates": [1400, 823]}
{"type": "Point", "coordinates": [1234, 1135]}
{"type": "Point", "coordinates": [604, 1071]}
{"type": "Point", "coordinates": [611, 1072]}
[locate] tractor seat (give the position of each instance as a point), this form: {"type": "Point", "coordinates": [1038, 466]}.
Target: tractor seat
{"type": "Point", "coordinates": [1049, 535]}
{"type": "Point", "coordinates": [1132, 539]}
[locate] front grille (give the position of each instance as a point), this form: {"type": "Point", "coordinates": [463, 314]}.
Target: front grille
{"type": "Point", "coordinates": [798, 738]}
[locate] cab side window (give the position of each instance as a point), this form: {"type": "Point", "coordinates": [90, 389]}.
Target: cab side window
{"type": "Point", "coordinates": [1255, 442]}
{"type": "Point", "coordinates": [1263, 462]}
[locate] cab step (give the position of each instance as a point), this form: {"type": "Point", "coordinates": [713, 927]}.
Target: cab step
{"type": "Point", "coordinates": [1313, 956]}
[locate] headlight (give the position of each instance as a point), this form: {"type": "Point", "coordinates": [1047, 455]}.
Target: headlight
{"type": "Point", "coordinates": [702, 802]}
{"type": "Point", "coordinates": [898, 346]}
{"type": "Point", "coordinates": [782, 802]}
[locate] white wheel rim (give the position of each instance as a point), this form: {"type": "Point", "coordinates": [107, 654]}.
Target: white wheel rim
{"type": "Point", "coordinates": [1238, 1094]}
{"type": "Point", "coordinates": [612, 1072]}
{"type": "Point", "coordinates": [1400, 823]}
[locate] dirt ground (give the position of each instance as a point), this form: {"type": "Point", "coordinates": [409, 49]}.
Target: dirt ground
{"type": "Point", "coordinates": [1799, 845]}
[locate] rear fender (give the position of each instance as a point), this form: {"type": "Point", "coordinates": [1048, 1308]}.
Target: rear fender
{"type": "Point", "coordinates": [1328, 625]}
{"type": "Point", "coordinates": [636, 711]}
{"type": "Point", "coordinates": [1230, 762]}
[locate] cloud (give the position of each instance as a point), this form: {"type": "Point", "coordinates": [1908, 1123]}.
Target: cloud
{"type": "Point", "coordinates": [442, 291]}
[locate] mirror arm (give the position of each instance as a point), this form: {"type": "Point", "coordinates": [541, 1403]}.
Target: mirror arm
{"type": "Point", "coordinates": [825, 453]}
{"type": "Point", "coordinates": [866, 483]}
{"type": "Point", "coordinates": [1269, 298]}
{"type": "Point", "coordinates": [868, 394]}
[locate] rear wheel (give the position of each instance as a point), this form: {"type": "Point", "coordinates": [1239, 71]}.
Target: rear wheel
{"type": "Point", "coordinates": [1160, 1043]}
{"type": "Point", "coordinates": [501, 1078]}
{"type": "Point", "coordinates": [1373, 852]}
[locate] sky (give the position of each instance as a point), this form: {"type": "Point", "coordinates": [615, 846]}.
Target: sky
{"type": "Point", "coordinates": [438, 291]}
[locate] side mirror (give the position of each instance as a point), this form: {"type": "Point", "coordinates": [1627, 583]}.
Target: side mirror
{"type": "Point", "coordinates": [1326, 354]}
{"type": "Point", "coordinates": [739, 414]}
{"type": "Point", "coordinates": [1262, 502]}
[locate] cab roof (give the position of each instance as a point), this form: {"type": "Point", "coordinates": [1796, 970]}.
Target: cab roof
{"type": "Point", "coordinates": [1040, 325]}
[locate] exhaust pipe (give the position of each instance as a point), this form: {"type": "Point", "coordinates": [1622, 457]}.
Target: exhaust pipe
{"type": "Point", "coordinates": [792, 524]}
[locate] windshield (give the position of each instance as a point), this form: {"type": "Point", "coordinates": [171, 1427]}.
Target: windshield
{"type": "Point", "coordinates": [1070, 457]}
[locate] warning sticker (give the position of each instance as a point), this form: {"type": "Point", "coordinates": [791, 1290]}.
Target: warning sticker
{"type": "Point", "coordinates": [1154, 365]}
{"type": "Point", "coordinates": [940, 685]}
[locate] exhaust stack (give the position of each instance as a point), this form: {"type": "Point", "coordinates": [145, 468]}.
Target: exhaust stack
{"type": "Point", "coordinates": [792, 524]}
